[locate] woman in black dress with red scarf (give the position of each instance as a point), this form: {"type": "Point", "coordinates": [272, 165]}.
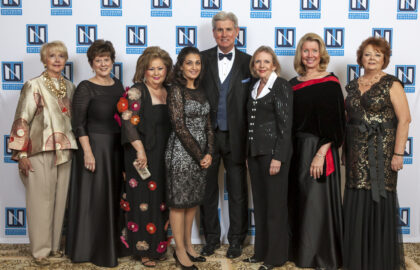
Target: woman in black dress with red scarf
{"type": "Point", "coordinates": [315, 207]}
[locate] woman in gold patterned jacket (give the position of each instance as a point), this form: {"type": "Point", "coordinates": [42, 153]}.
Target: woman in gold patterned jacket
{"type": "Point", "coordinates": [42, 143]}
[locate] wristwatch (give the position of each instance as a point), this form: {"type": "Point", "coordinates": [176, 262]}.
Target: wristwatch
{"type": "Point", "coordinates": [22, 155]}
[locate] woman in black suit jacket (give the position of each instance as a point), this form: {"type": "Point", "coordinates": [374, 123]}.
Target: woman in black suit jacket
{"type": "Point", "coordinates": [270, 108]}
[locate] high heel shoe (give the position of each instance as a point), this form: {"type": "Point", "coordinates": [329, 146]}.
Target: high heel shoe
{"type": "Point", "coordinates": [196, 259]}
{"type": "Point", "coordinates": [183, 267]}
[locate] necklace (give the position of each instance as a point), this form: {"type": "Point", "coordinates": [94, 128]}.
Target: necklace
{"type": "Point", "coordinates": [61, 91]}
{"type": "Point", "coordinates": [365, 82]}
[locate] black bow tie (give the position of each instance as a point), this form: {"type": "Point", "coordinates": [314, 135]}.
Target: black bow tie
{"type": "Point", "coordinates": [228, 56]}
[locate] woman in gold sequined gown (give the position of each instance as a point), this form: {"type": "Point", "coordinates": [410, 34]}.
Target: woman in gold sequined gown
{"type": "Point", "coordinates": [378, 119]}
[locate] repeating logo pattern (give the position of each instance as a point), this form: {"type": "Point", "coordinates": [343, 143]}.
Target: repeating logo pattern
{"type": "Point", "coordinates": [85, 35]}
{"type": "Point", "coordinates": [111, 8]}
{"type": "Point", "coordinates": [359, 9]}
{"type": "Point", "coordinates": [7, 151]}
{"type": "Point", "coordinates": [210, 7]}
{"type": "Point", "coordinates": [240, 41]}
{"type": "Point", "coordinates": [68, 71]}
{"type": "Point", "coordinates": [251, 222]}
{"type": "Point", "coordinates": [136, 38]}
{"type": "Point", "coordinates": [334, 41]}
{"type": "Point", "coordinates": [408, 152]}
{"type": "Point", "coordinates": [353, 72]}
{"type": "Point", "coordinates": [261, 9]}
{"type": "Point", "coordinates": [61, 7]}
{"type": "Point", "coordinates": [385, 33]}
{"type": "Point", "coordinates": [285, 40]}
{"type": "Point", "coordinates": [407, 74]}
{"type": "Point", "coordinates": [117, 71]}
{"type": "Point", "coordinates": [15, 221]}
{"type": "Point", "coordinates": [36, 35]}
{"type": "Point", "coordinates": [161, 8]}
{"type": "Point", "coordinates": [407, 10]}
{"type": "Point", "coordinates": [11, 7]}
{"type": "Point", "coordinates": [186, 36]}
{"type": "Point", "coordinates": [12, 75]}
{"type": "Point", "coordinates": [405, 220]}
{"type": "Point", "coordinates": [310, 9]}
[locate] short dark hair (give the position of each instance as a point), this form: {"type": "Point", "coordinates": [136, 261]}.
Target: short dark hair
{"type": "Point", "coordinates": [378, 43]}
{"type": "Point", "coordinates": [100, 47]}
{"type": "Point", "coordinates": [178, 76]}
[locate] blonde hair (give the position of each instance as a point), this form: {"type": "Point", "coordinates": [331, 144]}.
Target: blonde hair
{"type": "Point", "coordinates": [325, 57]}
{"type": "Point", "coordinates": [53, 46]}
{"type": "Point", "coordinates": [270, 51]}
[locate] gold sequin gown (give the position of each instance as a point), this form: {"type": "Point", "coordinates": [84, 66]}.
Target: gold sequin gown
{"type": "Point", "coordinates": [371, 214]}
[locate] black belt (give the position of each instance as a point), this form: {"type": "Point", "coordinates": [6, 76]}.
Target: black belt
{"type": "Point", "coordinates": [376, 163]}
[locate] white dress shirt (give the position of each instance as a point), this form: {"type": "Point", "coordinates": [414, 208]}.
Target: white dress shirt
{"type": "Point", "coordinates": [265, 90]}
{"type": "Point", "coordinates": [225, 65]}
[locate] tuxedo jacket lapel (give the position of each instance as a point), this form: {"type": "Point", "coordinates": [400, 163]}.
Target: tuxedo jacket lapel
{"type": "Point", "coordinates": [214, 69]}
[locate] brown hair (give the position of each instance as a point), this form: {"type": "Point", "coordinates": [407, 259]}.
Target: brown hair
{"type": "Point", "coordinates": [325, 57]}
{"type": "Point", "coordinates": [143, 62]}
{"type": "Point", "coordinates": [377, 43]}
{"type": "Point", "coordinates": [53, 46]}
{"type": "Point", "coordinates": [100, 47]}
{"type": "Point", "coordinates": [270, 51]}
{"type": "Point", "coordinates": [178, 73]}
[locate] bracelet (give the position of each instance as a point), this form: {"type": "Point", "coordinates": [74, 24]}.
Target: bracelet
{"type": "Point", "coordinates": [398, 155]}
{"type": "Point", "coordinates": [319, 155]}
{"type": "Point", "coordinates": [22, 155]}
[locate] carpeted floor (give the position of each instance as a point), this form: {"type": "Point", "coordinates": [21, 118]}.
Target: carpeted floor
{"type": "Point", "coordinates": [17, 256]}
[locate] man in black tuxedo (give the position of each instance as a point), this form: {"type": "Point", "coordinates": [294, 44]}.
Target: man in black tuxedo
{"type": "Point", "coordinates": [226, 82]}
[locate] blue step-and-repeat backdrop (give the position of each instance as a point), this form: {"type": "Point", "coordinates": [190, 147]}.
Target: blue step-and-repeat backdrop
{"type": "Point", "coordinates": [132, 25]}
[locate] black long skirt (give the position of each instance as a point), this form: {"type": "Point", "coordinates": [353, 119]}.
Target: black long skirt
{"type": "Point", "coordinates": [315, 209]}
{"type": "Point", "coordinates": [372, 239]}
{"type": "Point", "coordinates": [94, 203]}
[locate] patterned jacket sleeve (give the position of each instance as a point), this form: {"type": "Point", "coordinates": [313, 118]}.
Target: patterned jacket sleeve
{"type": "Point", "coordinates": [283, 107]}
{"type": "Point", "coordinates": [177, 117]}
{"type": "Point", "coordinates": [25, 112]}
{"type": "Point", "coordinates": [131, 116]}
{"type": "Point", "coordinates": [210, 136]}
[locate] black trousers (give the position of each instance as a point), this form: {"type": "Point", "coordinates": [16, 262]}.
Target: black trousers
{"type": "Point", "coordinates": [269, 194]}
{"type": "Point", "coordinates": [236, 186]}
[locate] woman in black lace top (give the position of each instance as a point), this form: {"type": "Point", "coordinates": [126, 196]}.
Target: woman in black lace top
{"type": "Point", "coordinates": [376, 134]}
{"type": "Point", "coordinates": [189, 151]}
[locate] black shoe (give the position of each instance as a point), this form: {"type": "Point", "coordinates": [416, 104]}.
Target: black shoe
{"type": "Point", "coordinates": [196, 259]}
{"type": "Point", "coordinates": [183, 267]}
{"type": "Point", "coordinates": [266, 267]}
{"type": "Point", "coordinates": [252, 259]}
{"type": "Point", "coordinates": [209, 249]}
{"type": "Point", "coordinates": [234, 251]}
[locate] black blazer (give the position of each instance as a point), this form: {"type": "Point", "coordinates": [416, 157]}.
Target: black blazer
{"type": "Point", "coordinates": [270, 122]}
{"type": "Point", "coordinates": [236, 99]}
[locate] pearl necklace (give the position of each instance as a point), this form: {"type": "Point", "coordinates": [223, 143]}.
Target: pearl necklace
{"type": "Point", "coordinates": [62, 89]}
{"type": "Point", "coordinates": [364, 82]}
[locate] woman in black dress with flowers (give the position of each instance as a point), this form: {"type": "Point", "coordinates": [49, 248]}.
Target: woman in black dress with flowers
{"type": "Point", "coordinates": [145, 131]}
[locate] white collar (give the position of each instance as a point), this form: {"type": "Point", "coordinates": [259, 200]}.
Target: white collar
{"type": "Point", "coordinates": [267, 87]}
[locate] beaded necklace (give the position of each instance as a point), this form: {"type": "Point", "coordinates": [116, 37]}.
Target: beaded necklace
{"type": "Point", "coordinates": [61, 91]}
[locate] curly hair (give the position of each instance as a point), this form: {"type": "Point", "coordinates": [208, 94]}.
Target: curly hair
{"type": "Point", "coordinates": [150, 54]}
{"type": "Point", "coordinates": [325, 57]}
{"type": "Point", "coordinates": [100, 47]}
{"type": "Point", "coordinates": [377, 43]}
{"type": "Point", "coordinates": [178, 73]}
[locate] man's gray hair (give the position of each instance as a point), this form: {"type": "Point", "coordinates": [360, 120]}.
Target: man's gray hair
{"type": "Point", "coordinates": [223, 16]}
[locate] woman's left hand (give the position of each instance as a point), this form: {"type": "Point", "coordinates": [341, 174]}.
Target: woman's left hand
{"type": "Point", "coordinates": [206, 161]}
{"type": "Point", "coordinates": [397, 163]}
{"type": "Point", "coordinates": [317, 167]}
{"type": "Point", "coordinates": [275, 167]}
